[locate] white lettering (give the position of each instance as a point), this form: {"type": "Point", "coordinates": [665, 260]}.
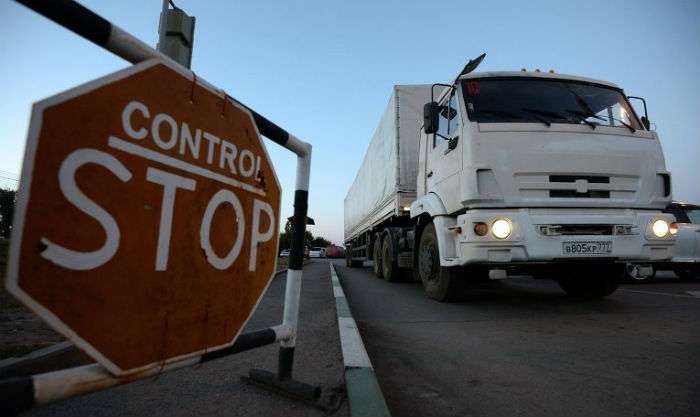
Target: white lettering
{"type": "Point", "coordinates": [83, 261]}
{"type": "Point", "coordinates": [223, 196]}
{"type": "Point", "coordinates": [228, 154]}
{"type": "Point", "coordinates": [257, 237]}
{"type": "Point", "coordinates": [213, 140]}
{"type": "Point", "coordinates": [155, 131]}
{"type": "Point", "coordinates": [170, 183]}
{"type": "Point", "coordinates": [192, 143]}
{"type": "Point", "coordinates": [246, 154]}
{"type": "Point", "coordinates": [126, 119]}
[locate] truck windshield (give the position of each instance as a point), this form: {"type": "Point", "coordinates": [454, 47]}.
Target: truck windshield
{"type": "Point", "coordinates": [541, 100]}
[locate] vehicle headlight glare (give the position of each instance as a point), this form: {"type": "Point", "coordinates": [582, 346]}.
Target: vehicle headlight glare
{"type": "Point", "coordinates": [660, 228]}
{"type": "Point", "coordinates": [501, 228]}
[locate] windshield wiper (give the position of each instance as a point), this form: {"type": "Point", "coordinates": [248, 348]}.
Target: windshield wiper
{"type": "Point", "coordinates": [539, 112]}
{"type": "Point", "coordinates": [585, 116]}
{"type": "Point", "coordinates": [632, 129]}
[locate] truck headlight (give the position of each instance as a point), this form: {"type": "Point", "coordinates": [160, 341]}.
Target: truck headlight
{"type": "Point", "coordinates": [660, 228]}
{"type": "Point", "coordinates": [501, 228]}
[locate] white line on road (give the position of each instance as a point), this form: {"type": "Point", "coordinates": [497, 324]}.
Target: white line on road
{"type": "Point", "coordinates": [662, 293]}
{"type": "Point", "coordinates": [695, 294]}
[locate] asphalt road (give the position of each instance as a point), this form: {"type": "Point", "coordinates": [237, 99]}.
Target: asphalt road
{"type": "Point", "coordinates": [215, 388]}
{"type": "Point", "coordinates": [521, 347]}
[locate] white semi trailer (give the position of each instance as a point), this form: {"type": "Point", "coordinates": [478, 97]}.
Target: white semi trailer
{"type": "Point", "coordinates": [505, 173]}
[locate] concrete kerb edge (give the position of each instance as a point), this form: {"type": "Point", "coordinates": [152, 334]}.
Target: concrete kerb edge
{"type": "Point", "coordinates": [364, 393]}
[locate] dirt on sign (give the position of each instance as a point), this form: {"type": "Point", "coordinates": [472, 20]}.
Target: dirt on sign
{"type": "Point", "coordinates": [147, 220]}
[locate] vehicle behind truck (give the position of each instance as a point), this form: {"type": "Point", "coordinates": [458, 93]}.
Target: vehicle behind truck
{"type": "Point", "coordinates": [504, 173]}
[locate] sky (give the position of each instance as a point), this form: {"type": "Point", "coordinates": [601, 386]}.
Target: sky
{"type": "Point", "coordinates": [324, 70]}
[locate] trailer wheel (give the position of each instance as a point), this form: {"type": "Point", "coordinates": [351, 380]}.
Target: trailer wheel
{"type": "Point", "coordinates": [351, 263]}
{"type": "Point", "coordinates": [377, 256]}
{"type": "Point", "coordinates": [390, 268]}
{"type": "Point", "coordinates": [440, 283]}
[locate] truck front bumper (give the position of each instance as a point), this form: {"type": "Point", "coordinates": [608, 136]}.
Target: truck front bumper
{"type": "Point", "coordinates": [620, 236]}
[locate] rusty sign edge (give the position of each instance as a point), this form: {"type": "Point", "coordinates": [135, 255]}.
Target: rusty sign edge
{"type": "Point", "coordinates": [23, 194]}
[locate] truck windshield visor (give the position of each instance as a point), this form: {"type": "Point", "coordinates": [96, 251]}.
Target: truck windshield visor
{"type": "Point", "coordinates": [541, 100]}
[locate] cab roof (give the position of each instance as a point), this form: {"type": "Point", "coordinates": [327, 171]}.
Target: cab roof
{"type": "Point", "coordinates": [533, 74]}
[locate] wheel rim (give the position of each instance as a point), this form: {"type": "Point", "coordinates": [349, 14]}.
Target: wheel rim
{"type": "Point", "coordinates": [633, 272]}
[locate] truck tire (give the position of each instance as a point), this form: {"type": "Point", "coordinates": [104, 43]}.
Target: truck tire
{"type": "Point", "coordinates": [377, 256]}
{"type": "Point", "coordinates": [352, 263]}
{"type": "Point", "coordinates": [632, 274]}
{"type": "Point", "coordinates": [389, 266]}
{"type": "Point", "coordinates": [440, 283]}
{"type": "Point", "coordinates": [591, 284]}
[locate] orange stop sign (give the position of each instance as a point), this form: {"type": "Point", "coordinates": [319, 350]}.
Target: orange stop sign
{"type": "Point", "coordinates": [146, 227]}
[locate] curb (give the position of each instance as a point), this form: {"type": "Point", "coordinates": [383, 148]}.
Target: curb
{"type": "Point", "coordinates": [364, 394]}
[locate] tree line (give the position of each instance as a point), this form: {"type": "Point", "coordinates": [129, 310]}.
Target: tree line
{"type": "Point", "coordinates": [309, 239]}
{"type": "Point", "coordinates": [7, 210]}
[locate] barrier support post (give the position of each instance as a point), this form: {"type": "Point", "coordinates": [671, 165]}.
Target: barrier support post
{"type": "Point", "coordinates": [283, 382]}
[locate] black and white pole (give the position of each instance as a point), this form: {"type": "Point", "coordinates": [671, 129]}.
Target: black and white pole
{"type": "Point", "coordinates": [22, 393]}
{"type": "Point", "coordinates": [283, 382]}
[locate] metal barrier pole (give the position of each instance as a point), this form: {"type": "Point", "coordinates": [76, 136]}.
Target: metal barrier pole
{"type": "Point", "coordinates": [296, 260]}
{"type": "Point", "coordinates": [283, 382]}
{"type": "Point", "coordinates": [21, 393]}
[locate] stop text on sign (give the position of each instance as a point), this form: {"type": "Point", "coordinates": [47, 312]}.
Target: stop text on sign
{"type": "Point", "coordinates": [179, 139]}
{"type": "Point", "coordinates": [146, 219]}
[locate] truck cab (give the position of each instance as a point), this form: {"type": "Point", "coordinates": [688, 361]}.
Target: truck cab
{"type": "Point", "coordinates": [539, 173]}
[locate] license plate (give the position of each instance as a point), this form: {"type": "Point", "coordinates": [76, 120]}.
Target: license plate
{"type": "Point", "coordinates": [594, 247]}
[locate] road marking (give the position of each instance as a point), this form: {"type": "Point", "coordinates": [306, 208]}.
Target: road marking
{"type": "Point", "coordinates": [364, 393]}
{"type": "Point", "coordinates": [695, 294]}
{"type": "Point", "coordinates": [354, 353]}
{"type": "Point", "coordinates": [663, 293]}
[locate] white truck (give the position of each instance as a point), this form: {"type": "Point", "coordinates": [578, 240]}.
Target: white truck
{"type": "Point", "coordinates": [504, 173]}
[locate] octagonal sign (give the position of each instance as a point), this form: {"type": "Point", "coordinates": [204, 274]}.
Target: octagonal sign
{"type": "Point", "coordinates": [146, 226]}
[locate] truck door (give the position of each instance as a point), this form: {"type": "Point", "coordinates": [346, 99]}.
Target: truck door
{"type": "Point", "coordinates": [444, 154]}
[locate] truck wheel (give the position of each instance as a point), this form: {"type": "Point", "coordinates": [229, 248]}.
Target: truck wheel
{"type": "Point", "coordinates": [687, 274]}
{"type": "Point", "coordinates": [390, 268]}
{"type": "Point", "coordinates": [441, 284]}
{"type": "Point", "coordinates": [591, 283]}
{"type": "Point", "coordinates": [377, 256]}
{"type": "Point", "coordinates": [632, 273]}
{"type": "Point", "coordinates": [352, 263]}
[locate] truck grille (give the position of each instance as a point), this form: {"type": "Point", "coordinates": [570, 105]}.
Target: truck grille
{"type": "Point", "coordinates": [585, 229]}
{"type": "Point", "coordinates": [619, 187]}
{"type": "Point", "coordinates": [575, 193]}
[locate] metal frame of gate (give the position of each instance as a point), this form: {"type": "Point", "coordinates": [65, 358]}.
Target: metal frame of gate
{"type": "Point", "coordinates": [21, 393]}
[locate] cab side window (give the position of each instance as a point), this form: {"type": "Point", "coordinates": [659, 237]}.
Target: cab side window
{"type": "Point", "coordinates": [443, 123]}
{"type": "Point", "coordinates": [448, 119]}
{"type": "Point", "coordinates": [453, 121]}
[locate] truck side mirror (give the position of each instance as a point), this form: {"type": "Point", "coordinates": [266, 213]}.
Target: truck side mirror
{"type": "Point", "coordinates": [645, 122]}
{"type": "Point", "coordinates": [430, 117]}
{"type": "Point", "coordinates": [645, 118]}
